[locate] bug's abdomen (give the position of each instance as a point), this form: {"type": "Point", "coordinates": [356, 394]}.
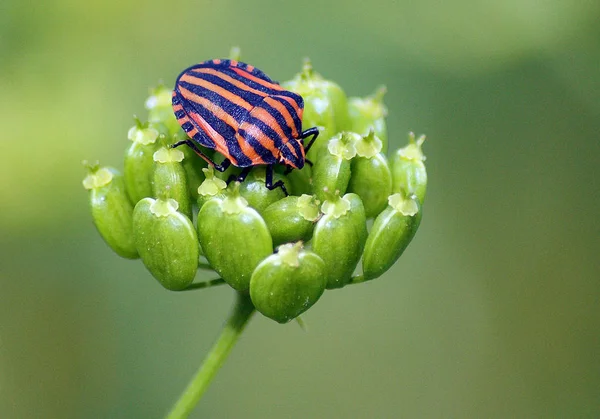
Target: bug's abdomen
{"type": "Point", "coordinates": [260, 136]}
{"type": "Point", "coordinates": [270, 126]}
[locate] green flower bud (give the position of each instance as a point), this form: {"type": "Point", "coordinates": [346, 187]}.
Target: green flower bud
{"type": "Point", "coordinates": [339, 237]}
{"type": "Point", "coordinates": [112, 211]}
{"type": "Point", "coordinates": [332, 170]}
{"type": "Point", "coordinates": [234, 237]}
{"type": "Point", "coordinates": [391, 233]}
{"type": "Point", "coordinates": [369, 114]}
{"type": "Point", "coordinates": [371, 176]}
{"type": "Point", "coordinates": [300, 181]}
{"type": "Point", "coordinates": [193, 166]}
{"type": "Point", "coordinates": [292, 218]}
{"type": "Point", "coordinates": [235, 53]}
{"type": "Point", "coordinates": [358, 214]}
{"type": "Point", "coordinates": [325, 105]}
{"type": "Point", "coordinates": [256, 192]}
{"type": "Point", "coordinates": [160, 108]}
{"type": "Point", "coordinates": [139, 161]}
{"type": "Point", "coordinates": [287, 283]}
{"type": "Point", "coordinates": [167, 242]}
{"type": "Point", "coordinates": [211, 187]}
{"type": "Point", "coordinates": [192, 163]}
{"type": "Point", "coordinates": [169, 179]}
{"type": "Point", "coordinates": [408, 170]}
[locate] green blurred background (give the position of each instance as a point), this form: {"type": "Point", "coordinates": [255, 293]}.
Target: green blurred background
{"type": "Point", "coordinates": [494, 309]}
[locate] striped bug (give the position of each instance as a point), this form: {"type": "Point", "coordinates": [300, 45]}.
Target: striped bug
{"type": "Point", "coordinates": [237, 110]}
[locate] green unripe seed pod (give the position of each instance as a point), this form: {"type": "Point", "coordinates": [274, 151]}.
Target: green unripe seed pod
{"type": "Point", "coordinates": [409, 175]}
{"type": "Point", "coordinates": [235, 53]}
{"type": "Point", "coordinates": [256, 192]}
{"type": "Point", "coordinates": [292, 218]}
{"type": "Point", "coordinates": [139, 161]}
{"type": "Point", "coordinates": [160, 108]}
{"type": "Point", "coordinates": [325, 106]}
{"type": "Point", "coordinates": [391, 233]}
{"type": "Point", "coordinates": [371, 176]}
{"type": "Point", "coordinates": [167, 242]}
{"type": "Point", "coordinates": [211, 187]}
{"type": "Point", "coordinates": [369, 114]}
{"type": "Point", "coordinates": [287, 283]}
{"type": "Point", "coordinates": [359, 218]}
{"type": "Point", "coordinates": [169, 178]}
{"type": "Point", "coordinates": [333, 168]}
{"type": "Point", "coordinates": [234, 237]}
{"type": "Point", "coordinates": [192, 163]}
{"type": "Point", "coordinates": [300, 181]}
{"type": "Point", "coordinates": [112, 211]}
{"type": "Point", "coordinates": [339, 237]}
{"type": "Point", "coordinates": [193, 166]}
{"type": "Point", "coordinates": [372, 181]}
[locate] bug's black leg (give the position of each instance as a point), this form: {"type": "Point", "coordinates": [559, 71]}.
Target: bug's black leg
{"type": "Point", "coordinates": [308, 162]}
{"type": "Point", "coordinates": [223, 166]}
{"type": "Point", "coordinates": [179, 143]}
{"type": "Point", "coordinates": [314, 131]}
{"type": "Point", "coordinates": [269, 181]}
{"type": "Point", "coordinates": [220, 167]}
{"type": "Point", "coordinates": [241, 177]}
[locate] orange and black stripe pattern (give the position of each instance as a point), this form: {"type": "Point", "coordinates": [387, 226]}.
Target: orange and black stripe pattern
{"type": "Point", "coordinates": [237, 110]}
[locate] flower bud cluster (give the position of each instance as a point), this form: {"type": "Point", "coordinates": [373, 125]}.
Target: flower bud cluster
{"type": "Point", "coordinates": [170, 209]}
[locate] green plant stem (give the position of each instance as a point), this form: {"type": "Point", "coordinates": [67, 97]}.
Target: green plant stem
{"type": "Point", "coordinates": [357, 279]}
{"type": "Point", "coordinates": [206, 266]}
{"type": "Point", "coordinates": [205, 284]}
{"type": "Point", "coordinates": [241, 313]}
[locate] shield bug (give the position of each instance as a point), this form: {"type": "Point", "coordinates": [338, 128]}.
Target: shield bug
{"type": "Point", "coordinates": [237, 110]}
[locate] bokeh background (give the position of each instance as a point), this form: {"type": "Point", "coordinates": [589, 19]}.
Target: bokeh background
{"type": "Point", "coordinates": [494, 309]}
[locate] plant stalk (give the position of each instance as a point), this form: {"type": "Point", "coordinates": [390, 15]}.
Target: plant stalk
{"type": "Point", "coordinates": [240, 314]}
{"type": "Point", "coordinates": [205, 284]}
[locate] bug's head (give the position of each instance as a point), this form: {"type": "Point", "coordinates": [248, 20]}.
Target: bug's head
{"type": "Point", "coordinates": [292, 153]}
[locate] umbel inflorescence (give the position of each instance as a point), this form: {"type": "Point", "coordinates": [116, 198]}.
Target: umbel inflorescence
{"type": "Point", "coordinates": [169, 208]}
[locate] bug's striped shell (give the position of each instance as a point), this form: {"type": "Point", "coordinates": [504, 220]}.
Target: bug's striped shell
{"type": "Point", "coordinates": [237, 110]}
